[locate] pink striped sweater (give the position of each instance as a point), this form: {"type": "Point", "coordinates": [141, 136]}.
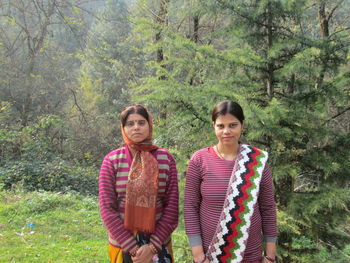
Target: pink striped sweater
{"type": "Point", "coordinates": [207, 180]}
{"type": "Point", "coordinates": [112, 183]}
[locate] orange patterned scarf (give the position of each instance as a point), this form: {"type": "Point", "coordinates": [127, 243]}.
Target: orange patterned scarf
{"type": "Point", "coordinates": [142, 185]}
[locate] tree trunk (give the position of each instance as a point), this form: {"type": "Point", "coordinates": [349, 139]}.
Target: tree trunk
{"type": "Point", "coordinates": [324, 32]}
{"type": "Point", "coordinates": [35, 44]}
{"type": "Point", "coordinates": [323, 20]}
{"type": "Point", "coordinates": [161, 21]}
{"type": "Point", "coordinates": [270, 68]}
{"type": "Point", "coordinates": [195, 28]}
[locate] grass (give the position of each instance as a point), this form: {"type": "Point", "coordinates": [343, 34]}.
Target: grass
{"type": "Point", "coordinates": [53, 227]}
{"type": "Point", "coordinates": [50, 227]}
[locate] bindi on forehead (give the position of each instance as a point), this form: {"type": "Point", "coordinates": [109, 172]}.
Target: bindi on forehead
{"type": "Point", "coordinates": [130, 123]}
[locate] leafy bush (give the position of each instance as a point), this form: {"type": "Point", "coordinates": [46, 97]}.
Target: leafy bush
{"type": "Point", "coordinates": [31, 157]}
{"type": "Point", "coordinates": [56, 175]}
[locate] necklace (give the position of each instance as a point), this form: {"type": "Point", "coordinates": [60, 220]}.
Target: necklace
{"type": "Point", "coordinates": [228, 157]}
{"type": "Point", "coordinates": [217, 150]}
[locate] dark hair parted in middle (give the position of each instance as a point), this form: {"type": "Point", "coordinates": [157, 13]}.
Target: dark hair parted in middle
{"type": "Point", "coordinates": [228, 107]}
{"type": "Point", "coordinates": [138, 109]}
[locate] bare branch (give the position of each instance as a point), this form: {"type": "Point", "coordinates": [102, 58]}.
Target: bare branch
{"type": "Point", "coordinates": [69, 26]}
{"type": "Point", "coordinates": [333, 10]}
{"type": "Point", "coordinates": [78, 107]}
{"type": "Point", "coordinates": [340, 113]}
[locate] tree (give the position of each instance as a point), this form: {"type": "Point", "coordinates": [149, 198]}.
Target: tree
{"type": "Point", "coordinates": [32, 75]}
{"type": "Point", "coordinates": [268, 56]}
{"type": "Point", "coordinates": [108, 67]}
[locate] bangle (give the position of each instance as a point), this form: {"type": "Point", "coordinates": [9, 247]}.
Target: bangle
{"type": "Point", "coordinates": [270, 259]}
{"type": "Point", "coordinates": [133, 254]}
{"type": "Point", "coordinates": [152, 247]}
{"type": "Point", "coordinates": [202, 261]}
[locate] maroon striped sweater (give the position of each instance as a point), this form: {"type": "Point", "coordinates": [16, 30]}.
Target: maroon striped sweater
{"type": "Point", "coordinates": [112, 183]}
{"type": "Point", "coordinates": [207, 180]}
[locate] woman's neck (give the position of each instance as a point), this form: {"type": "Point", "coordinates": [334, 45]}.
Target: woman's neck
{"type": "Point", "coordinates": [132, 152]}
{"type": "Point", "coordinates": [227, 152]}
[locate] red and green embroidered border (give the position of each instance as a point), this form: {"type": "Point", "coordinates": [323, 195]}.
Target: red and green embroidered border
{"type": "Point", "coordinates": [244, 190]}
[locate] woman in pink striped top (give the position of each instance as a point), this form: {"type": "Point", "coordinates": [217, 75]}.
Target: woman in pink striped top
{"type": "Point", "coordinates": [229, 206]}
{"type": "Point", "coordinates": [138, 194]}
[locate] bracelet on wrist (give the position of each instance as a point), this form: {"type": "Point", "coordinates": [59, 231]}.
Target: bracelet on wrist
{"type": "Point", "coordinates": [153, 248]}
{"type": "Point", "coordinates": [270, 259]}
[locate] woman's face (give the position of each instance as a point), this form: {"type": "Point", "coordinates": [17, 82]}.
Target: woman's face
{"type": "Point", "coordinates": [228, 129]}
{"type": "Point", "coordinates": [136, 127]}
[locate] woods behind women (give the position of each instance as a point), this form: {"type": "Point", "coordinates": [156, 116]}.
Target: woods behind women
{"type": "Point", "coordinates": [229, 199]}
{"type": "Point", "coordinates": [138, 194]}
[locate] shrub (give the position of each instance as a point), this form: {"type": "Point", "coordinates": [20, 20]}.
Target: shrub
{"type": "Point", "coordinates": [57, 175]}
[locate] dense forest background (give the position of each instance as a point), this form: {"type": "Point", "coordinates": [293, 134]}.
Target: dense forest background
{"type": "Point", "coordinates": [68, 67]}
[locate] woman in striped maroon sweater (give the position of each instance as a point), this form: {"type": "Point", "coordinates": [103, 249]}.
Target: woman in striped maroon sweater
{"type": "Point", "coordinates": [138, 194]}
{"type": "Point", "coordinates": [229, 200]}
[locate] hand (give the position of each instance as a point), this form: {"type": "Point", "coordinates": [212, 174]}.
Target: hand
{"type": "Point", "coordinates": [143, 255]}
{"type": "Point", "coordinates": [198, 254]}
{"type": "Point", "coordinates": [265, 260]}
{"type": "Point", "coordinates": [270, 251]}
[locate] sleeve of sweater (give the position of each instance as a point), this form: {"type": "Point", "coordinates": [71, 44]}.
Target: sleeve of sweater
{"type": "Point", "coordinates": [192, 202]}
{"type": "Point", "coordinates": [169, 219]}
{"type": "Point", "coordinates": [267, 206]}
{"type": "Point", "coordinates": [108, 207]}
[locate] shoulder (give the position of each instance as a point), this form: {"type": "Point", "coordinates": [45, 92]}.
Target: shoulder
{"type": "Point", "coordinates": [163, 154]}
{"type": "Point", "coordinates": [264, 156]}
{"type": "Point", "coordinates": [244, 146]}
{"type": "Point", "coordinates": [200, 155]}
{"type": "Point", "coordinates": [117, 154]}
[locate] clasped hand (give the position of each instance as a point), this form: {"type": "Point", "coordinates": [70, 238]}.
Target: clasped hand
{"type": "Point", "coordinates": [143, 255]}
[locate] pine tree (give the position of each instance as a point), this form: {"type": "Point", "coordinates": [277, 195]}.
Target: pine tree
{"type": "Point", "coordinates": [291, 80]}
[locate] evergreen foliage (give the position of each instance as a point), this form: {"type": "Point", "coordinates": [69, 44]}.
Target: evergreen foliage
{"type": "Point", "coordinates": [286, 75]}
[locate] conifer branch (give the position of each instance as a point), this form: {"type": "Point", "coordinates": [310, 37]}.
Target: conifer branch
{"type": "Point", "coordinates": [306, 193]}
{"type": "Point", "coordinates": [150, 11]}
{"type": "Point", "coordinates": [339, 31]}
{"type": "Point", "coordinates": [334, 247]}
{"type": "Point", "coordinates": [261, 143]}
{"type": "Point", "coordinates": [191, 109]}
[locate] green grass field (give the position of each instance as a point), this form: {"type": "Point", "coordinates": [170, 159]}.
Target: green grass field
{"type": "Point", "coordinates": [53, 227]}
